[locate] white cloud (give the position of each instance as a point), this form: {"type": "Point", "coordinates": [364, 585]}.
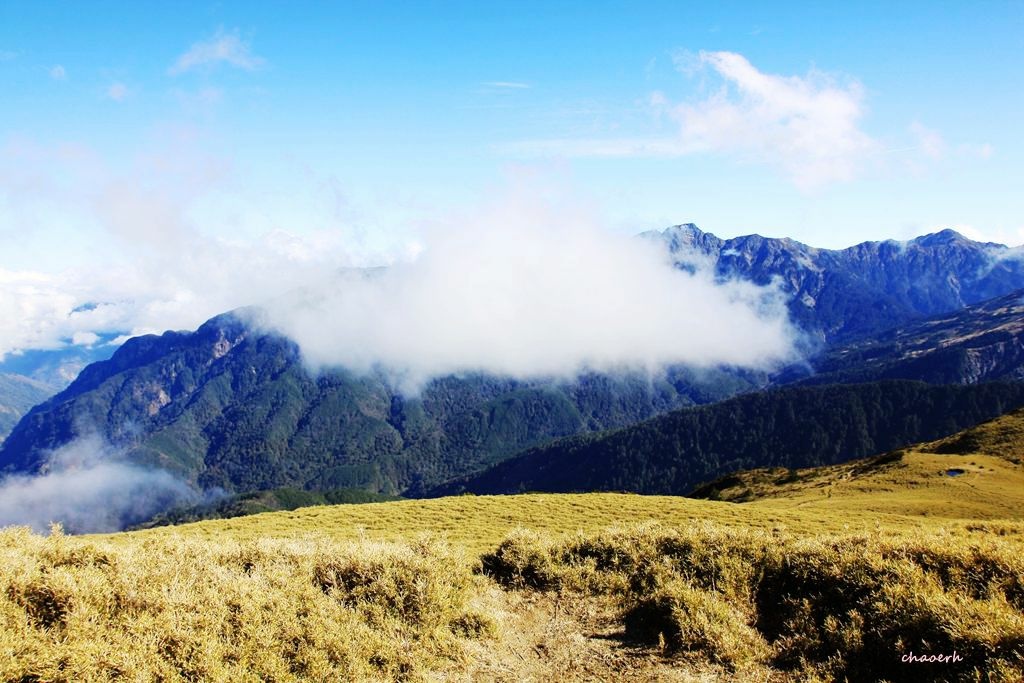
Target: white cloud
{"type": "Point", "coordinates": [117, 92]}
{"type": "Point", "coordinates": [808, 127]}
{"type": "Point", "coordinates": [88, 488]}
{"type": "Point", "coordinates": [58, 73]}
{"type": "Point", "coordinates": [929, 141]}
{"type": "Point", "coordinates": [513, 85]}
{"type": "Point", "coordinates": [223, 47]}
{"type": "Point", "coordinates": [84, 338]}
{"type": "Point", "coordinates": [8, 55]}
{"type": "Point", "coordinates": [526, 291]}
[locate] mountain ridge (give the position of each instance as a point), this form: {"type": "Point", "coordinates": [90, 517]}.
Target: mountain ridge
{"type": "Point", "coordinates": [837, 295]}
{"type": "Point", "coordinates": [234, 408]}
{"type": "Point", "coordinates": [230, 406]}
{"type": "Point", "coordinates": [784, 427]}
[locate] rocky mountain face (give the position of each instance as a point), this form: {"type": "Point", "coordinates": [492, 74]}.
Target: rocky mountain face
{"type": "Point", "coordinates": [978, 343]}
{"type": "Point", "coordinates": [839, 295]}
{"type": "Point", "coordinates": [228, 407]}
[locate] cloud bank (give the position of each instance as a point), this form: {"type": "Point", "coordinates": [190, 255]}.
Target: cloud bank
{"type": "Point", "coordinates": [523, 286]}
{"type": "Point", "coordinates": [532, 292]}
{"type": "Point", "coordinates": [87, 489]}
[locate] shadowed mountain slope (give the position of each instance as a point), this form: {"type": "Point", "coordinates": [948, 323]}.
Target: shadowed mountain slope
{"type": "Point", "coordinates": [789, 427]}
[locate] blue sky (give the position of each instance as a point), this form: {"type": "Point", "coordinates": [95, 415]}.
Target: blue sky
{"type": "Point", "coordinates": [424, 107]}
{"type": "Point", "coordinates": [314, 128]}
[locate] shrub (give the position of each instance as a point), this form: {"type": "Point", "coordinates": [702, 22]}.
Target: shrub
{"type": "Point", "coordinates": [827, 608]}
{"type": "Point", "coordinates": [694, 622]}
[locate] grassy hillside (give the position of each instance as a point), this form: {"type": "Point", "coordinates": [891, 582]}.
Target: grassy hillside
{"type": "Point", "coordinates": [976, 474]}
{"type": "Point", "coordinates": [262, 501]}
{"type": "Point", "coordinates": [830, 574]}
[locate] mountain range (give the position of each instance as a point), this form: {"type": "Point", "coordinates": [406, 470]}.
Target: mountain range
{"type": "Point", "coordinates": [236, 409]}
{"type": "Point", "coordinates": [839, 294]}
{"type": "Point", "coordinates": [978, 343]}
{"type": "Point", "coordinates": [790, 428]}
{"type": "Point", "coordinates": [231, 407]}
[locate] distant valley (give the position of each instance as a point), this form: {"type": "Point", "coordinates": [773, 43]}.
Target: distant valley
{"type": "Point", "coordinates": [17, 395]}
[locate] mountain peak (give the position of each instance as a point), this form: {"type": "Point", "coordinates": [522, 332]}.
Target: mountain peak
{"type": "Point", "coordinates": [687, 228]}
{"type": "Point", "coordinates": [687, 235]}
{"type": "Point", "coordinates": [947, 236]}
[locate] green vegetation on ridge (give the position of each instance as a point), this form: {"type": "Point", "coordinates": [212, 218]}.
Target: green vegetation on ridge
{"type": "Point", "coordinates": [790, 427]}
{"type": "Point", "coordinates": [228, 408]}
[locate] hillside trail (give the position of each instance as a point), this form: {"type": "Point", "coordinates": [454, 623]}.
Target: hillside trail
{"type": "Point", "coordinates": [546, 637]}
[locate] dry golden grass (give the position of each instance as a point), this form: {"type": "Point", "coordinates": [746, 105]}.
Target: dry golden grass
{"type": "Point", "coordinates": [478, 523]}
{"type": "Point", "coordinates": [832, 575]}
{"type": "Point", "coordinates": [764, 605]}
{"type": "Point", "coordinates": [649, 602]}
{"type": "Point", "coordinates": [975, 475]}
{"type": "Point", "coordinates": [173, 609]}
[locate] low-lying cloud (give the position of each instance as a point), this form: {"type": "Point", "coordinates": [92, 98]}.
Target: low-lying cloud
{"type": "Point", "coordinates": [533, 293]}
{"type": "Point", "coordinates": [87, 488]}
{"type": "Point", "coordinates": [525, 287]}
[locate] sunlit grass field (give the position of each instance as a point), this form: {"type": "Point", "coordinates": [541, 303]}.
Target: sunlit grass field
{"type": "Point", "coordinates": [914, 489]}
{"type": "Point", "coordinates": [828, 574]}
{"type": "Point", "coordinates": [478, 523]}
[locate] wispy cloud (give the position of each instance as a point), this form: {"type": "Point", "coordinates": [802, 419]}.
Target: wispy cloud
{"type": "Point", "coordinates": [933, 146]}
{"type": "Point", "coordinates": [929, 141]}
{"type": "Point", "coordinates": [981, 151]}
{"type": "Point", "coordinates": [58, 73]}
{"type": "Point", "coordinates": [223, 47]}
{"type": "Point", "coordinates": [8, 55]}
{"type": "Point", "coordinates": [89, 487]}
{"type": "Point", "coordinates": [117, 92]}
{"type": "Point", "coordinates": [807, 127]}
{"type": "Point", "coordinates": [511, 85]}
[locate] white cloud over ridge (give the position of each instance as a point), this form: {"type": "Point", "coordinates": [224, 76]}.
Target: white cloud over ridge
{"type": "Point", "coordinates": [521, 286]}
{"type": "Point", "coordinates": [527, 292]}
{"type": "Point", "coordinates": [520, 290]}
{"type": "Point", "coordinates": [223, 47]}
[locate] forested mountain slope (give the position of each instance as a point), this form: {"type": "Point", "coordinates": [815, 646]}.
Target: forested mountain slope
{"type": "Point", "coordinates": [790, 427]}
